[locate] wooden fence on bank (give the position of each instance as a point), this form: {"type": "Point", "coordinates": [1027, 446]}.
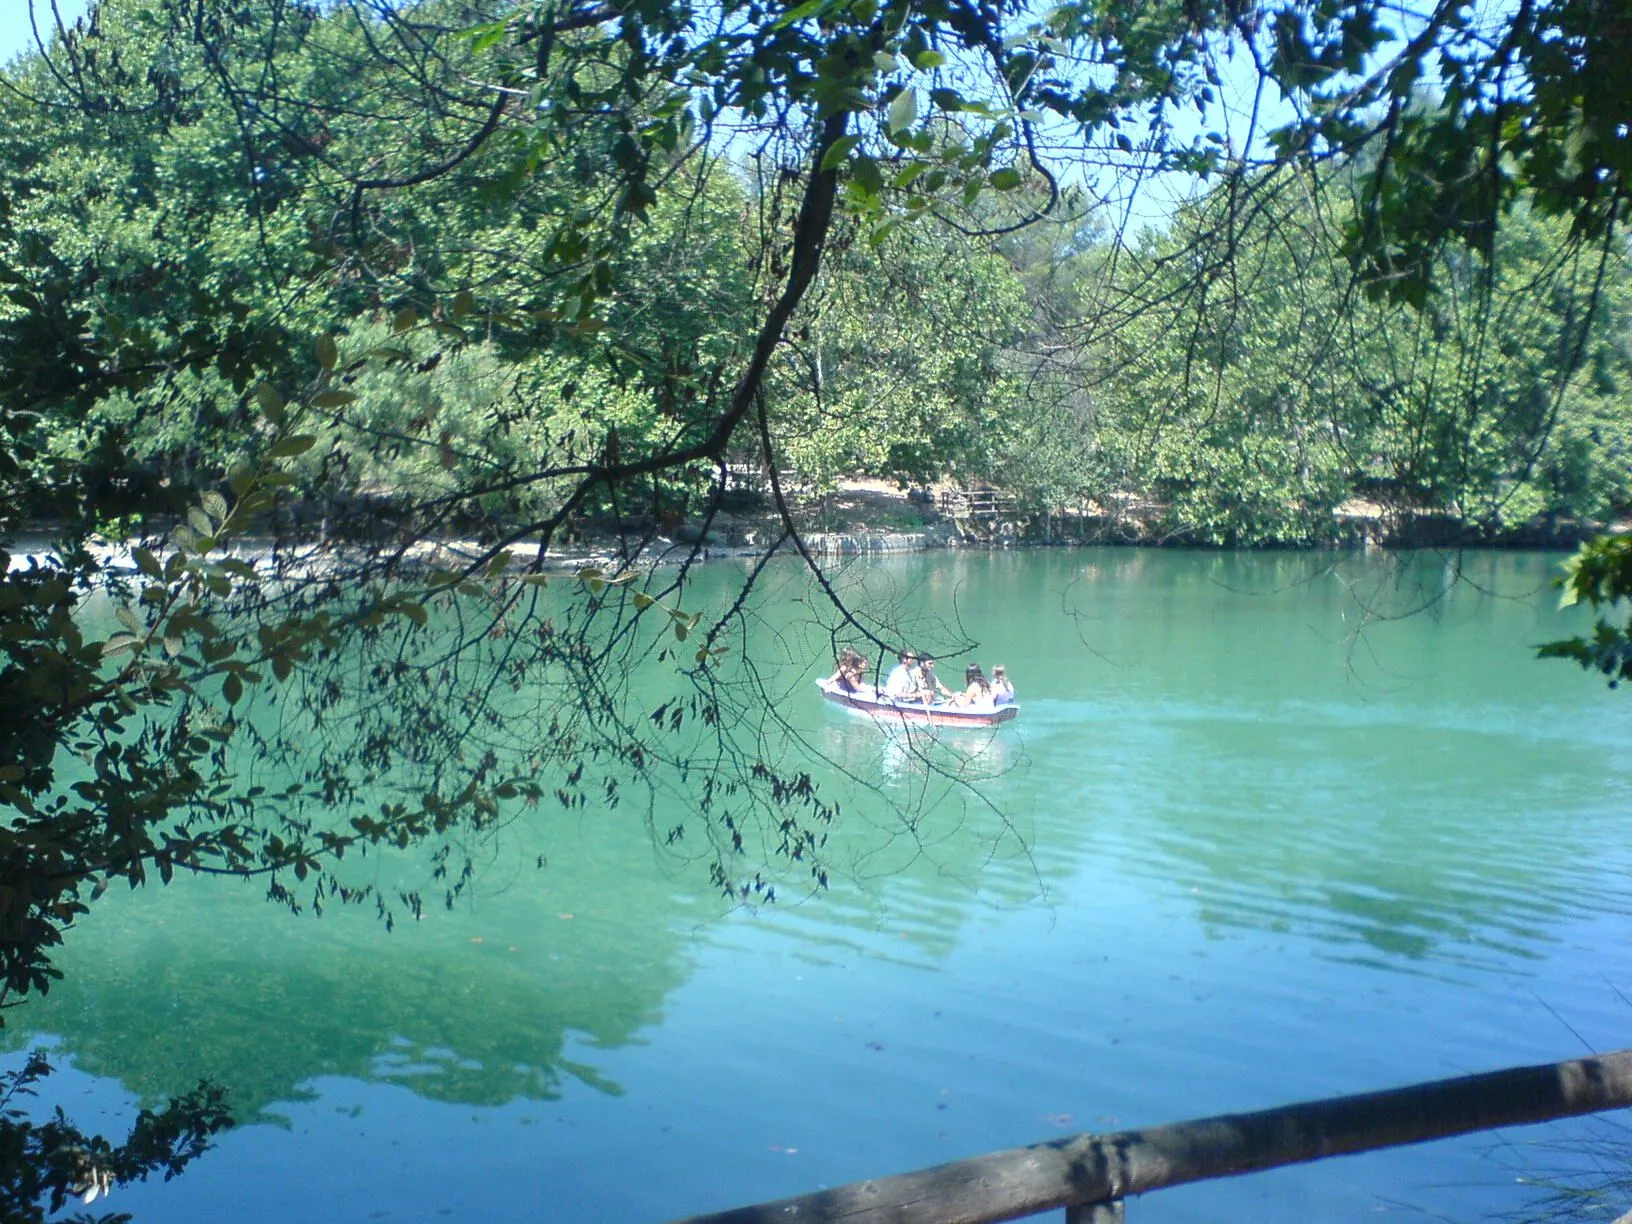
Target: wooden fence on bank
{"type": "Point", "coordinates": [976, 504]}
{"type": "Point", "coordinates": [1090, 1176]}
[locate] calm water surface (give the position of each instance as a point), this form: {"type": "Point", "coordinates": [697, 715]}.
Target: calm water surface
{"type": "Point", "coordinates": [1257, 837]}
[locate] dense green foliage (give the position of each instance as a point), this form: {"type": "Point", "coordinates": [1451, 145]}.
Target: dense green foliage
{"type": "Point", "coordinates": [1266, 393]}
{"type": "Point", "coordinates": [1600, 576]}
{"type": "Point", "coordinates": [1232, 375]}
{"type": "Point", "coordinates": [390, 274]}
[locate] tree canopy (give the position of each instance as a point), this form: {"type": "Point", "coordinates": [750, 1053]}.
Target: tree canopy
{"type": "Point", "coordinates": [394, 274]}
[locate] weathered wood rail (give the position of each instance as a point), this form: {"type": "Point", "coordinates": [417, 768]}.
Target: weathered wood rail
{"type": "Point", "coordinates": [1089, 1176]}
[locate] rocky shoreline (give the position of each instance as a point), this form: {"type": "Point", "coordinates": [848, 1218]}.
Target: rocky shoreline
{"type": "Point", "coordinates": [861, 518]}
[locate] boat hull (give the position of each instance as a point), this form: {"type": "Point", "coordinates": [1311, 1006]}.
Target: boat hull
{"type": "Point", "coordinates": [916, 713]}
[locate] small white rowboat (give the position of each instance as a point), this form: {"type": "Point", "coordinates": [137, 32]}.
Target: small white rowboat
{"type": "Point", "coordinates": [868, 700]}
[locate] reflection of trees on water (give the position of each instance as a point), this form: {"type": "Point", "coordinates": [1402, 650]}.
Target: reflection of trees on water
{"type": "Point", "coordinates": [476, 1005]}
{"type": "Point", "coordinates": [1419, 790]}
{"type": "Point", "coordinates": [1201, 726]}
{"type": "Point", "coordinates": [1337, 844]}
{"type": "Point", "coordinates": [473, 1006]}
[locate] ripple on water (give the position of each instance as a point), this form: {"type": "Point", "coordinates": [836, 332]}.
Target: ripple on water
{"type": "Point", "coordinates": [1225, 860]}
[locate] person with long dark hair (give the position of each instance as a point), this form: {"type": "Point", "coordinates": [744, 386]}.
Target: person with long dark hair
{"type": "Point", "coordinates": [851, 672]}
{"type": "Point", "coordinates": [977, 689]}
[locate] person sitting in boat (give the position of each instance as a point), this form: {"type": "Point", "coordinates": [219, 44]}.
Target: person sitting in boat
{"type": "Point", "coordinates": [902, 682]}
{"type": "Point", "coordinates": [852, 671]}
{"type": "Point", "coordinates": [977, 689]}
{"type": "Point", "coordinates": [1002, 687]}
{"type": "Point", "coordinates": [930, 688]}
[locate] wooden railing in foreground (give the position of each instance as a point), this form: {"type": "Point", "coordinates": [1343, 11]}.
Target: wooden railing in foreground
{"type": "Point", "coordinates": [1090, 1175]}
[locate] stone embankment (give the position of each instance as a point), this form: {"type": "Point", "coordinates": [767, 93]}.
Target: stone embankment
{"type": "Point", "coordinates": [861, 518]}
{"type": "Point", "coordinates": [864, 543]}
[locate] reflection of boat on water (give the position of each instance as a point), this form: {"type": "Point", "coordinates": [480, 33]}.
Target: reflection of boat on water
{"type": "Point", "coordinates": [867, 700]}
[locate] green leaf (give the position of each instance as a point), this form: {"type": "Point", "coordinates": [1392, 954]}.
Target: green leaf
{"type": "Point", "coordinates": [147, 563]}
{"type": "Point", "coordinates": [271, 403]}
{"type": "Point", "coordinates": [199, 521]}
{"type": "Point", "coordinates": [485, 36]}
{"type": "Point", "coordinates": [642, 600]}
{"type": "Point", "coordinates": [214, 505]}
{"type": "Point", "coordinates": [799, 12]}
{"type": "Point", "coordinates": [909, 173]}
{"type": "Point", "coordinates": [404, 320]}
{"type": "Point", "coordinates": [289, 447]}
{"type": "Point", "coordinates": [1006, 179]}
{"type": "Point", "coordinates": [926, 60]}
{"type": "Point", "coordinates": [840, 149]}
{"type": "Point", "coordinates": [903, 111]}
{"type": "Point", "coordinates": [328, 353]}
{"type": "Point", "coordinates": [333, 399]}
{"type": "Point", "coordinates": [867, 175]}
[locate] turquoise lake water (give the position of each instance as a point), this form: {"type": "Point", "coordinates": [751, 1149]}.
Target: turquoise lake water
{"type": "Point", "coordinates": [1269, 828]}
